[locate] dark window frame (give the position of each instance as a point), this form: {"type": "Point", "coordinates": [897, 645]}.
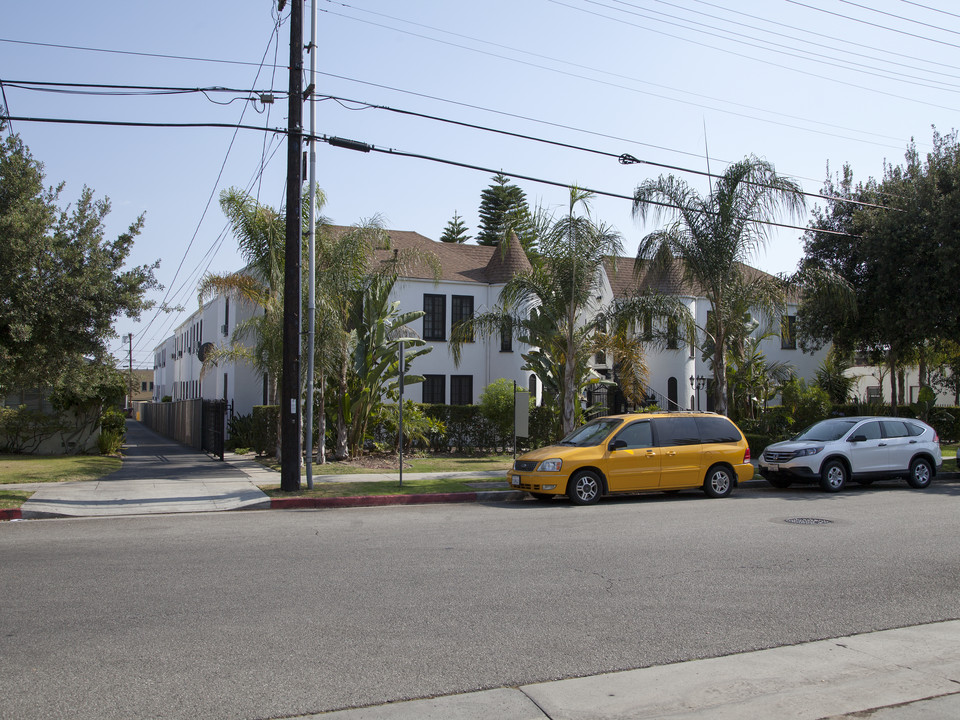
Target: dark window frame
{"type": "Point", "coordinates": [435, 317]}
{"type": "Point", "coordinates": [461, 308]}
{"type": "Point", "coordinates": [461, 389]}
{"type": "Point", "coordinates": [433, 387]}
{"type": "Point", "coordinates": [788, 332]}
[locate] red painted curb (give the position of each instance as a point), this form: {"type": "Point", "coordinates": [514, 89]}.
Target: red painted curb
{"type": "Point", "coordinates": [11, 514]}
{"type": "Point", "coordinates": [370, 500]}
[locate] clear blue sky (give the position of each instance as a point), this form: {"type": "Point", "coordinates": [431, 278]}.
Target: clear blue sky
{"type": "Point", "coordinates": [799, 82]}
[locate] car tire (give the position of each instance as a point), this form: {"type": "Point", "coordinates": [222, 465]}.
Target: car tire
{"type": "Point", "coordinates": [718, 482]}
{"type": "Point", "coordinates": [921, 473]}
{"type": "Point", "coordinates": [833, 476]}
{"type": "Point", "coordinates": [584, 488]}
{"type": "Point", "coordinates": [541, 497]}
{"type": "Point", "coordinates": [779, 482]}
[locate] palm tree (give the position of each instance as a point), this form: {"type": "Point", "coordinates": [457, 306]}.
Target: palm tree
{"type": "Point", "coordinates": [554, 309]}
{"type": "Point", "coordinates": [713, 237]}
{"type": "Point", "coordinates": [260, 233]}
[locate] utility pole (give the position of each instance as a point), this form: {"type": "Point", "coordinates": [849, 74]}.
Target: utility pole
{"type": "Point", "coordinates": [290, 377]}
{"type": "Point", "coordinates": [130, 376]}
{"type": "Point", "coordinates": [312, 267]}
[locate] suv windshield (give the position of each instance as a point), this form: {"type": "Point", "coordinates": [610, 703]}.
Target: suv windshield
{"type": "Point", "coordinates": [826, 430]}
{"type": "Point", "coordinates": [593, 433]}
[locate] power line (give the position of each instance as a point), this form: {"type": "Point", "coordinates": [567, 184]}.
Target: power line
{"type": "Point", "coordinates": [742, 55]}
{"type": "Point", "coordinates": [365, 147]}
{"type": "Point", "coordinates": [620, 157]}
{"type": "Point", "coordinates": [647, 82]}
{"type": "Point", "coordinates": [900, 17]}
{"type": "Point", "coordinates": [874, 58]}
{"type": "Point", "coordinates": [932, 9]}
{"type": "Point", "coordinates": [876, 25]}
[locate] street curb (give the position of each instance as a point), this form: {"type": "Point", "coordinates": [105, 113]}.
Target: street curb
{"type": "Point", "coordinates": [381, 500]}
{"type": "Point", "coordinates": [11, 514]}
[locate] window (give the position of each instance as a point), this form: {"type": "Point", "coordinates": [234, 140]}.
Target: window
{"type": "Point", "coordinates": [533, 388]}
{"type": "Point", "coordinates": [717, 430]}
{"type": "Point", "coordinates": [461, 389]}
{"type": "Point", "coordinates": [677, 431]}
{"type": "Point", "coordinates": [151, 385]}
{"type": "Point", "coordinates": [266, 389]}
{"type": "Point", "coordinates": [434, 389]}
{"type": "Point", "coordinates": [637, 435]}
{"type": "Point", "coordinates": [143, 387]}
{"type": "Point", "coordinates": [647, 327]}
{"type": "Point", "coordinates": [788, 332]}
{"type": "Point", "coordinates": [672, 403]}
{"type": "Point", "coordinates": [226, 317]}
{"type": "Point", "coordinates": [506, 337]}
{"type": "Point", "coordinates": [894, 428]}
{"type": "Point", "coordinates": [435, 319]}
{"type": "Point", "coordinates": [874, 394]}
{"type": "Point", "coordinates": [225, 386]}
{"type": "Point", "coordinates": [601, 358]}
{"type": "Point", "coordinates": [673, 334]}
{"type": "Point", "coordinates": [461, 308]}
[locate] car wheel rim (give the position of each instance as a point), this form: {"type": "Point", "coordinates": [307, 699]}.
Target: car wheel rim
{"type": "Point", "coordinates": [921, 474]}
{"type": "Point", "coordinates": [835, 476]}
{"type": "Point", "coordinates": [586, 489]}
{"type": "Point", "coordinates": [720, 482]}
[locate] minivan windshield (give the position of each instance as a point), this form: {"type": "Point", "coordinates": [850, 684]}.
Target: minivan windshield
{"type": "Point", "coordinates": [593, 433]}
{"type": "Point", "coordinates": [827, 430]}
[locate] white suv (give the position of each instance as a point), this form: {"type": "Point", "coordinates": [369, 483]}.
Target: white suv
{"type": "Point", "coordinates": [833, 451]}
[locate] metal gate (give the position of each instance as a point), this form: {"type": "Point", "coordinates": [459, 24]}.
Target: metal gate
{"type": "Point", "coordinates": [212, 426]}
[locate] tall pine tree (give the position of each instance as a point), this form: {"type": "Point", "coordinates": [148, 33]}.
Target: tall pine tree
{"type": "Point", "coordinates": [503, 207]}
{"type": "Point", "coordinates": [455, 231]}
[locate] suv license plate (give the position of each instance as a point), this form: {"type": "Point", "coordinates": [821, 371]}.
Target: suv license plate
{"type": "Point", "coordinates": [515, 480]}
{"type": "Point", "coordinates": [773, 468]}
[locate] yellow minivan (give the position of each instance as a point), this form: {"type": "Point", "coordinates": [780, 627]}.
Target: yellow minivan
{"type": "Point", "coordinates": [638, 452]}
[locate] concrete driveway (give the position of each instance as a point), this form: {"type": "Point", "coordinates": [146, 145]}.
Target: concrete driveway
{"type": "Point", "coordinates": [158, 476]}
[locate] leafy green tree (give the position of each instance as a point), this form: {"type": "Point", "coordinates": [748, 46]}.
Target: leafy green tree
{"type": "Point", "coordinates": [909, 230]}
{"type": "Point", "coordinates": [713, 237]}
{"type": "Point", "coordinates": [504, 209]}
{"type": "Point", "coordinates": [455, 231]}
{"type": "Point", "coordinates": [62, 282]}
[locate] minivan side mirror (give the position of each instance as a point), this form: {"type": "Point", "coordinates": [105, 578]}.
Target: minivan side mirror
{"type": "Point", "coordinates": [617, 444]}
{"type": "Point", "coordinates": [858, 438]}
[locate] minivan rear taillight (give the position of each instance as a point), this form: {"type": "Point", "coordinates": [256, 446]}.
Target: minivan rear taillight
{"type": "Point", "coordinates": [746, 456]}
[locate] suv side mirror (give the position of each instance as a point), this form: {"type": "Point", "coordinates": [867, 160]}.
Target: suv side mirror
{"type": "Point", "coordinates": [858, 438]}
{"type": "Point", "coordinates": [617, 444]}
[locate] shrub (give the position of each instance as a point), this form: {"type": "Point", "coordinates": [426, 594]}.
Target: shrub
{"type": "Point", "coordinates": [240, 431]}
{"type": "Point", "coordinates": [496, 406]}
{"type": "Point", "coordinates": [266, 428]}
{"type": "Point", "coordinates": [109, 442]}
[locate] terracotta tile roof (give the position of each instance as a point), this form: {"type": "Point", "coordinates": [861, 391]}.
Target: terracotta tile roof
{"type": "Point", "coordinates": [623, 281]}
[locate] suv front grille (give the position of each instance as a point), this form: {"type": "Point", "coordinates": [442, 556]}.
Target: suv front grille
{"type": "Point", "coordinates": [777, 457]}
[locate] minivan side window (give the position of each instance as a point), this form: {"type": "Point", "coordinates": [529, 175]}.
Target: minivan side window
{"type": "Point", "coordinates": [637, 435]}
{"type": "Point", "coordinates": [870, 430]}
{"type": "Point", "coordinates": [677, 431]}
{"type": "Point", "coordinates": [717, 430]}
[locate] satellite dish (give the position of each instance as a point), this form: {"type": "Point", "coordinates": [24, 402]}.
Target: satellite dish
{"type": "Point", "coordinates": [204, 350]}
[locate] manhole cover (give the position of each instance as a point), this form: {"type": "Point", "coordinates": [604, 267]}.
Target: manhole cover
{"type": "Point", "coordinates": [809, 521]}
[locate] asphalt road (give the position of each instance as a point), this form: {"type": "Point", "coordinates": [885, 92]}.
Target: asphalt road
{"type": "Point", "coordinates": [277, 613]}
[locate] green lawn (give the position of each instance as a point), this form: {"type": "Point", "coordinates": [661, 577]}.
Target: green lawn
{"type": "Point", "coordinates": [55, 468]}
{"type": "Point", "coordinates": [410, 487]}
{"type": "Point", "coordinates": [426, 463]}
{"type": "Point", "coordinates": [10, 499]}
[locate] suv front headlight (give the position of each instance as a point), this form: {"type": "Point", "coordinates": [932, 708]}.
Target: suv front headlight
{"type": "Point", "coordinates": [808, 451]}
{"type": "Point", "coordinates": [551, 465]}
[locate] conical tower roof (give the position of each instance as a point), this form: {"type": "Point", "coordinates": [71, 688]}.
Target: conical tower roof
{"type": "Point", "coordinates": [507, 260]}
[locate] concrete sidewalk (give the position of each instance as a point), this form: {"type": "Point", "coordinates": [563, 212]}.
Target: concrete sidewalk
{"type": "Point", "coordinates": [904, 674]}
{"type": "Point", "coordinates": [158, 476]}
